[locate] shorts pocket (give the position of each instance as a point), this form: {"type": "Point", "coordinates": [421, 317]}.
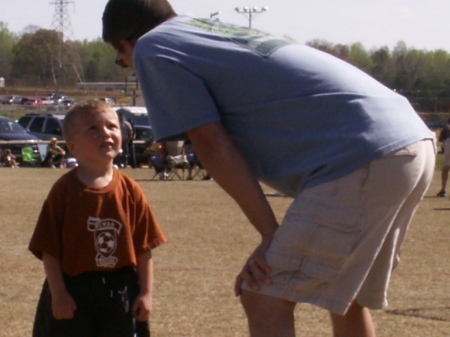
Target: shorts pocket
{"type": "Point", "coordinates": [319, 235]}
{"type": "Point", "coordinates": [409, 150]}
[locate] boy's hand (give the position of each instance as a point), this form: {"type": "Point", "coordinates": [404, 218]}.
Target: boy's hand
{"type": "Point", "coordinates": [142, 307]}
{"type": "Point", "coordinates": [63, 306]}
{"type": "Point", "coordinates": [255, 269]}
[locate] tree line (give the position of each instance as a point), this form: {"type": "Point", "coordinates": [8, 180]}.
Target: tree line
{"type": "Point", "coordinates": [422, 76]}
{"type": "Point", "coordinates": [40, 57]}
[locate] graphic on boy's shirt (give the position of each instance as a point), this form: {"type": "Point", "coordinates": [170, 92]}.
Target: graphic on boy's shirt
{"type": "Point", "coordinates": [105, 239]}
{"type": "Point", "coordinates": [256, 40]}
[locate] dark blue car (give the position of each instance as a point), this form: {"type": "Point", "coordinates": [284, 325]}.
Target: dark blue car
{"type": "Point", "coordinates": [12, 131]}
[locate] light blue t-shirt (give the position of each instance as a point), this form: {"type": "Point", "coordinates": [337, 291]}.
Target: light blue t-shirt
{"type": "Point", "coordinates": [300, 117]}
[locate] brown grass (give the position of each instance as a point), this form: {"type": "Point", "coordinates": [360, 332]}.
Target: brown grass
{"type": "Point", "coordinates": [209, 240]}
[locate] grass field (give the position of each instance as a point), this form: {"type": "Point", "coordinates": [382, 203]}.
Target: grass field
{"type": "Point", "coordinates": [209, 241]}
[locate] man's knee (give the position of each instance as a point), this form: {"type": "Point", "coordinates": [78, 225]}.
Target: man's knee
{"type": "Point", "coordinates": [263, 309]}
{"type": "Point", "coordinates": [268, 316]}
{"type": "Point", "coordinates": [356, 322]}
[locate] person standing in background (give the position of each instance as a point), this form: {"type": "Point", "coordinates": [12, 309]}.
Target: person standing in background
{"type": "Point", "coordinates": [444, 138]}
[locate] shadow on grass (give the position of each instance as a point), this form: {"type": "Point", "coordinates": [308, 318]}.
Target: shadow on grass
{"type": "Point", "coordinates": [441, 314]}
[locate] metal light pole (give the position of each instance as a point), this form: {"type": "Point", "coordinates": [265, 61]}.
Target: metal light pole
{"type": "Point", "coordinates": [250, 12]}
{"type": "Point", "coordinates": [215, 16]}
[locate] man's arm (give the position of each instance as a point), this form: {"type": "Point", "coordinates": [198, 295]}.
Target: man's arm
{"type": "Point", "coordinates": [227, 166]}
{"type": "Point", "coordinates": [60, 150]}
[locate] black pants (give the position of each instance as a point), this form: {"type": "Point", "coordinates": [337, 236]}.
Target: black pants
{"type": "Point", "coordinates": [104, 301]}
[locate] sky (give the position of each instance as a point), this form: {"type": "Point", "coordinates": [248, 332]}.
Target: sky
{"type": "Point", "coordinates": [421, 24]}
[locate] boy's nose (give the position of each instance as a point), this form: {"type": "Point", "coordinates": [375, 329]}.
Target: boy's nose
{"type": "Point", "coordinates": [106, 132]}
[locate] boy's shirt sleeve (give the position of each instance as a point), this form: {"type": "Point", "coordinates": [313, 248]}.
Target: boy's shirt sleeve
{"type": "Point", "coordinates": [147, 233]}
{"type": "Point", "coordinates": [46, 236]}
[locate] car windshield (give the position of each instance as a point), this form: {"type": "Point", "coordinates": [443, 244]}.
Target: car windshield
{"type": "Point", "coordinates": [141, 120]}
{"type": "Point", "coordinates": [10, 126]}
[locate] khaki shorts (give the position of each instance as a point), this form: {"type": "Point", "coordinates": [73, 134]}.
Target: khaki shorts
{"type": "Point", "coordinates": [340, 240]}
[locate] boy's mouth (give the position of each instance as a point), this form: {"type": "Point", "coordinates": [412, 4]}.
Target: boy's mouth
{"type": "Point", "coordinates": [107, 144]}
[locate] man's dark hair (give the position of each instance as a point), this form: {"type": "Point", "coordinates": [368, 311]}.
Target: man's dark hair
{"type": "Point", "coordinates": [130, 19]}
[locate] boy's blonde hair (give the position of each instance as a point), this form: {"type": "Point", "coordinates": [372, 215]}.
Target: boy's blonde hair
{"type": "Point", "coordinates": [80, 109]}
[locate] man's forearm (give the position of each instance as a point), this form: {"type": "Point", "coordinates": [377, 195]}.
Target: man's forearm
{"type": "Point", "coordinates": [228, 167]}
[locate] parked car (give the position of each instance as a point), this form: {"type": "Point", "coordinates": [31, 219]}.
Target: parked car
{"type": "Point", "coordinates": [34, 102]}
{"type": "Point", "coordinates": [55, 97]}
{"type": "Point", "coordinates": [110, 101]}
{"type": "Point", "coordinates": [137, 113]}
{"type": "Point", "coordinates": [12, 131]}
{"type": "Point", "coordinates": [43, 126]}
{"type": "Point", "coordinates": [14, 99]}
{"type": "Point", "coordinates": [144, 137]}
{"type": "Point", "coordinates": [67, 103]}
{"type": "Point", "coordinates": [47, 101]}
{"type": "Point", "coordinates": [60, 99]}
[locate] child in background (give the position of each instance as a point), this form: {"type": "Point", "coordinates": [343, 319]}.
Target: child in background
{"type": "Point", "coordinates": [10, 159]}
{"type": "Point", "coordinates": [95, 234]}
{"type": "Point", "coordinates": [55, 154]}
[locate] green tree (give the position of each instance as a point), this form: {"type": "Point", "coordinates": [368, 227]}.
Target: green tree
{"type": "Point", "coordinates": [359, 57]}
{"type": "Point", "coordinates": [383, 68]}
{"type": "Point", "coordinates": [98, 60]}
{"type": "Point", "coordinates": [36, 58]}
{"type": "Point", "coordinates": [410, 66]}
{"type": "Point", "coordinates": [7, 42]}
{"type": "Point", "coordinates": [324, 46]}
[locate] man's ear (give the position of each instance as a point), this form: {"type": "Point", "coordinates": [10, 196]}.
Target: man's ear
{"type": "Point", "coordinates": [128, 44]}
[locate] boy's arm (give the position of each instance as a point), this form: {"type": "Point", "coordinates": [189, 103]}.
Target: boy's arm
{"type": "Point", "coordinates": [63, 305]}
{"type": "Point", "coordinates": [142, 306]}
{"type": "Point", "coordinates": [228, 167]}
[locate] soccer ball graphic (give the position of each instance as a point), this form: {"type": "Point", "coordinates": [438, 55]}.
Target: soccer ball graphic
{"type": "Point", "coordinates": [106, 243]}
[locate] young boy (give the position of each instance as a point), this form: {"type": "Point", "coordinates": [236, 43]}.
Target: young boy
{"type": "Point", "coordinates": [354, 154]}
{"type": "Point", "coordinates": [95, 234]}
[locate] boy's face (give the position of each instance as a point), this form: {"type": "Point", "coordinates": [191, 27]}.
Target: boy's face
{"type": "Point", "coordinates": [96, 137]}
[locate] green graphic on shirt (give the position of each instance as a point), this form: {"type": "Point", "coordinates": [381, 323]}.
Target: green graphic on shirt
{"type": "Point", "coordinates": [253, 39]}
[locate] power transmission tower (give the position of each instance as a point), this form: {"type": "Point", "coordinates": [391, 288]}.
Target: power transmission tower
{"type": "Point", "coordinates": [61, 24]}
{"type": "Point", "coordinates": [61, 20]}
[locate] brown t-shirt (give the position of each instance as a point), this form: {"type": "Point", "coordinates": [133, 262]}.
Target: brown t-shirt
{"type": "Point", "coordinates": [95, 229]}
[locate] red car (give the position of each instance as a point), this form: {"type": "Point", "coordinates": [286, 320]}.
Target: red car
{"type": "Point", "coordinates": [34, 102]}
